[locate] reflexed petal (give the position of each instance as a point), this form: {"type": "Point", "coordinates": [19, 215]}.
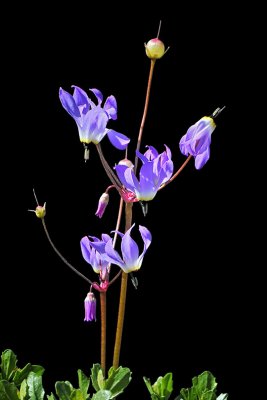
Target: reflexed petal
{"type": "Point", "coordinates": [118, 140]}
{"type": "Point", "coordinates": [81, 99]}
{"type": "Point", "coordinates": [86, 249]}
{"type": "Point", "coordinates": [110, 107]}
{"type": "Point", "coordinates": [98, 95]}
{"type": "Point", "coordinates": [68, 103]}
{"type": "Point", "coordinates": [146, 236]}
{"type": "Point", "coordinates": [113, 256]}
{"type": "Point", "coordinates": [151, 153]}
{"type": "Point", "coordinates": [129, 248]}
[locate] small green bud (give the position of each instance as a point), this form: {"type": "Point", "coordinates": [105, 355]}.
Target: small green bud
{"type": "Point", "coordinates": [155, 49]}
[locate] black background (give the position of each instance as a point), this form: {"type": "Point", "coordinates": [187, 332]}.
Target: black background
{"type": "Point", "coordinates": [189, 312]}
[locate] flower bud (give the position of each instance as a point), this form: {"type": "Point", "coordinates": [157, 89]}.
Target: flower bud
{"type": "Point", "coordinates": [90, 307]}
{"type": "Point", "coordinates": [155, 49]}
{"type": "Point", "coordinates": [40, 211]}
{"type": "Point", "coordinates": [102, 204]}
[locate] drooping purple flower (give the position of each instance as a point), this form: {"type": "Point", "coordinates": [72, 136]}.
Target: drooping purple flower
{"type": "Point", "coordinates": [102, 204]}
{"type": "Point", "coordinates": [156, 170]}
{"type": "Point", "coordinates": [197, 141]}
{"type": "Point", "coordinates": [91, 118]}
{"type": "Point", "coordinates": [90, 307]}
{"type": "Point", "coordinates": [130, 260]}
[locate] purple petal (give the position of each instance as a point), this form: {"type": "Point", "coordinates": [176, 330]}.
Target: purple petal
{"type": "Point", "coordinates": [129, 249]}
{"type": "Point", "coordinates": [81, 99]}
{"type": "Point", "coordinates": [118, 140]}
{"type": "Point", "coordinates": [68, 103]}
{"type": "Point", "coordinates": [98, 95]}
{"type": "Point", "coordinates": [86, 249]}
{"type": "Point", "coordinates": [113, 256]}
{"type": "Point", "coordinates": [201, 159]}
{"type": "Point", "coordinates": [151, 153]}
{"type": "Point", "coordinates": [110, 107]}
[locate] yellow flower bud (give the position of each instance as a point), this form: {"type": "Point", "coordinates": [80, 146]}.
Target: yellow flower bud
{"type": "Point", "coordinates": [155, 49]}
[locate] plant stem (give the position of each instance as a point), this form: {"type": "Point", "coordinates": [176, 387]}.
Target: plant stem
{"type": "Point", "coordinates": [152, 65]}
{"type": "Point", "coordinates": [123, 292]}
{"type": "Point", "coordinates": [103, 306]}
{"type": "Point", "coordinates": [61, 256]}
{"type": "Point", "coordinates": [177, 172]}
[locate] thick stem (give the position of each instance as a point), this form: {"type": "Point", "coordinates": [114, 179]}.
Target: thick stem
{"type": "Point", "coordinates": [103, 306]}
{"type": "Point", "coordinates": [152, 65]}
{"type": "Point", "coordinates": [123, 293]}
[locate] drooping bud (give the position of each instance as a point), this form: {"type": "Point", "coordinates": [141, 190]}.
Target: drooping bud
{"type": "Point", "coordinates": [102, 204]}
{"type": "Point", "coordinates": [155, 49]}
{"type": "Point", "coordinates": [90, 307]}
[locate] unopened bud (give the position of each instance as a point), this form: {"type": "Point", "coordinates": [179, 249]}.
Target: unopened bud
{"type": "Point", "coordinates": [102, 204]}
{"type": "Point", "coordinates": [90, 307]}
{"type": "Point", "coordinates": [40, 211]}
{"type": "Point", "coordinates": [155, 49]}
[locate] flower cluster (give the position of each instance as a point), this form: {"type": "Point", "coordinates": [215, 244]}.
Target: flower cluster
{"type": "Point", "coordinates": [134, 184]}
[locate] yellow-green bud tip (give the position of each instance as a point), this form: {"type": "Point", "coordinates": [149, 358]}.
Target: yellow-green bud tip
{"type": "Point", "coordinates": [40, 211]}
{"type": "Point", "coordinates": [155, 49]}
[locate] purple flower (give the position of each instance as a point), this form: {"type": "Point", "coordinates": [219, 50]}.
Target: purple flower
{"type": "Point", "coordinates": [129, 260]}
{"type": "Point", "coordinates": [156, 170]}
{"type": "Point", "coordinates": [91, 118]}
{"type": "Point", "coordinates": [93, 256]}
{"type": "Point", "coordinates": [197, 141]}
{"type": "Point", "coordinates": [90, 307]}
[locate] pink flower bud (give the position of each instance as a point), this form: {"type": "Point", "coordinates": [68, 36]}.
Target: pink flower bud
{"type": "Point", "coordinates": [102, 204]}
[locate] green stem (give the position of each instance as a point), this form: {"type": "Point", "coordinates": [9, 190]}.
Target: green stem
{"type": "Point", "coordinates": [103, 306]}
{"type": "Point", "coordinates": [123, 292]}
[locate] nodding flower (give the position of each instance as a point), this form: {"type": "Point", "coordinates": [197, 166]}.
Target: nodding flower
{"type": "Point", "coordinates": [197, 141]}
{"type": "Point", "coordinates": [90, 307]}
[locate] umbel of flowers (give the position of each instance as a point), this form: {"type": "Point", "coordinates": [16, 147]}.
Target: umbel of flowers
{"type": "Point", "coordinates": [134, 184]}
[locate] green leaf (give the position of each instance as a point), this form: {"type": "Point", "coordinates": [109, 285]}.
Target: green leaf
{"type": "Point", "coordinates": [163, 387]}
{"type": "Point", "coordinates": [102, 395]}
{"type": "Point", "coordinates": [94, 374]}
{"type": "Point", "coordinates": [51, 396]}
{"type": "Point", "coordinates": [23, 390]}
{"type": "Point", "coordinates": [204, 382]}
{"type": "Point", "coordinates": [36, 390]}
{"type": "Point", "coordinates": [118, 379]}
{"type": "Point", "coordinates": [8, 391]}
{"type": "Point", "coordinates": [76, 394]}
{"type": "Point", "coordinates": [8, 364]}
{"type": "Point", "coordinates": [101, 380]}
{"type": "Point", "coordinates": [84, 383]}
{"type": "Point", "coordinates": [63, 390]}
{"type": "Point", "coordinates": [148, 385]}
{"type": "Point", "coordinates": [204, 388]}
{"type": "Point", "coordinates": [22, 374]}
